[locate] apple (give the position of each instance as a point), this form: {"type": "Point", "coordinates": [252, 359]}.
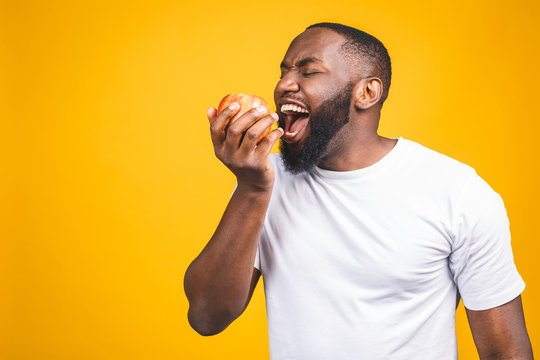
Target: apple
{"type": "Point", "coordinates": [246, 102]}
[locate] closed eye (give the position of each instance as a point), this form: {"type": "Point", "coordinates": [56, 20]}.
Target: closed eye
{"type": "Point", "coordinates": [310, 73]}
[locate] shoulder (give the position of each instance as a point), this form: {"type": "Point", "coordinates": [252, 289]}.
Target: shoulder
{"type": "Point", "coordinates": [435, 161]}
{"type": "Point", "coordinates": [444, 166]}
{"type": "Point", "coordinates": [433, 170]}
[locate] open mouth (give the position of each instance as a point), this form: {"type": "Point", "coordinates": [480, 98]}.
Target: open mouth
{"type": "Point", "coordinates": [296, 120]}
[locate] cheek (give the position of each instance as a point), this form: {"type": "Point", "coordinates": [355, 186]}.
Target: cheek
{"type": "Point", "coordinates": [314, 93]}
{"type": "Point", "coordinates": [318, 96]}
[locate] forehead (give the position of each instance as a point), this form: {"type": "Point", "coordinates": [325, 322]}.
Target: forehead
{"type": "Point", "coordinates": [320, 43]}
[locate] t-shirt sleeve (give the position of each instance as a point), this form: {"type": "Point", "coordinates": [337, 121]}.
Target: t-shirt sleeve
{"type": "Point", "coordinates": [257, 263]}
{"type": "Point", "coordinates": [260, 255]}
{"type": "Point", "coordinates": [482, 262]}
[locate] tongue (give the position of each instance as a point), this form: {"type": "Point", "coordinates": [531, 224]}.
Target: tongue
{"type": "Point", "coordinates": [299, 124]}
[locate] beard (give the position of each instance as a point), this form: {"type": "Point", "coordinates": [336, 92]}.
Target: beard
{"type": "Point", "coordinates": [324, 124]}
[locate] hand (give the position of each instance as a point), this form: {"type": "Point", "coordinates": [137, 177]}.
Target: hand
{"type": "Point", "coordinates": [236, 145]}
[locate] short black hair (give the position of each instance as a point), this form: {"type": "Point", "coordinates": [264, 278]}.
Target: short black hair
{"type": "Point", "coordinates": [364, 49]}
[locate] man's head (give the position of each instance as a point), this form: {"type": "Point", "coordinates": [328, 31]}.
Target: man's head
{"type": "Point", "coordinates": [330, 74]}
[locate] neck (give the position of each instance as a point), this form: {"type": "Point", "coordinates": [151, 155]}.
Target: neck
{"type": "Point", "coordinates": [356, 153]}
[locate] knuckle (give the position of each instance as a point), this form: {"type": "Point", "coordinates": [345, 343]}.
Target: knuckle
{"type": "Point", "coordinates": [215, 125]}
{"type": "Point", "coordinates": [265, 143]}
{"type": "Point", "coordinates": [252, 114]}
{"type": "Point", "coordinates": [268, 139]}
{"type": "Point", "coordinates": [234, 131]}
{"type": "Point", "coordinates": [252, 134]}
{"type": "Point", "coordinates": [214, 131]}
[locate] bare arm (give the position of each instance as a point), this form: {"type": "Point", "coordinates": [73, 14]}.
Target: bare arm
{"type": "Point", "coordinates": [500, 333]}
{"type": "Point", "coordinates": [219, 283]}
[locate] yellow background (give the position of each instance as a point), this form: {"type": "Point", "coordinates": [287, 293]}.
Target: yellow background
{"type": "Point", "coordinates": [110, 187]}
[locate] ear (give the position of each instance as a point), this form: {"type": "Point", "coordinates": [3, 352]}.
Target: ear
{"type": "Point", "coordinates": [367, 92]}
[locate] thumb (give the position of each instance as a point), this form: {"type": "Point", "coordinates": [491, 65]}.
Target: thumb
{"type": "Point", "coordinates": [212, 114]}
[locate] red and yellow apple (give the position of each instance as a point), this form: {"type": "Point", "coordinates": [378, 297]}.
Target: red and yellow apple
{"type": "Point", "coordinates": [246, 102]}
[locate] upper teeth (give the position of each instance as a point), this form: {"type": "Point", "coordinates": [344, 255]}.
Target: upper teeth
{"type": "Point", "coordinates": [292, 107]}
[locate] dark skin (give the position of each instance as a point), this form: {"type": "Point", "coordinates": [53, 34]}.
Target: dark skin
{"type": "Point", "coordinates": [357, 145]}
{"type": "Point", "coordinates": [220, 282]}
{"type": "Point", "coordinates": [500, 333]}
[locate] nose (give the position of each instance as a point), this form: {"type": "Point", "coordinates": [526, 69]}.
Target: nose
{"type": "Point", "coordinates": [287, 84]}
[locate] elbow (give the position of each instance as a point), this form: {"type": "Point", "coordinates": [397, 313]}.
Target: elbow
{"type": "Point", "coordinates": [206, 324]}
{"type": "Point", "coordinates": [520, 354]}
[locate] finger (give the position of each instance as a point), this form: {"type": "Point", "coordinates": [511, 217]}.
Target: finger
{"type": "Point", "coordinates": [236, 130]}
{"type": "Point", "coordinates": [211, 113]}
{"type": "Point", "coordinates": [252, 135]}
{"type": "Point", "coordinates": [266, 144]}
{"type": "Point", "coordinates": [222, 120]}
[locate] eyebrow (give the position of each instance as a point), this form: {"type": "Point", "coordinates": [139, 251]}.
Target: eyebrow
{"type": "Point", "coordinates": [302, 62]}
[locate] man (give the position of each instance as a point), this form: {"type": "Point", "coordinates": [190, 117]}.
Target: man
{"type": "Point", "coordinates": [363, 241]}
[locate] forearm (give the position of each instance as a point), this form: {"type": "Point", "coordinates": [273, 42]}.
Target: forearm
{"type": "Point", "coordinates": [217, 282]}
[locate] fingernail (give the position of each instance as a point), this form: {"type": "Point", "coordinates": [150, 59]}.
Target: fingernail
{"type": "Point", "coordinates": [275, 116]}
{"type": "Point", "coordinates": [234, 106]}
{"type": "Point", "coordinates": [260, 109]}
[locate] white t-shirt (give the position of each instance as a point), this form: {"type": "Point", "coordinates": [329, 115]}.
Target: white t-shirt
{"type": "Point", "coordinates": [365, 264]}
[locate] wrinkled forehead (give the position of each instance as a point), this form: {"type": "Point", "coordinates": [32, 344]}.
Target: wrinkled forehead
{"type": "Point", "coordinates": [320, 43]}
